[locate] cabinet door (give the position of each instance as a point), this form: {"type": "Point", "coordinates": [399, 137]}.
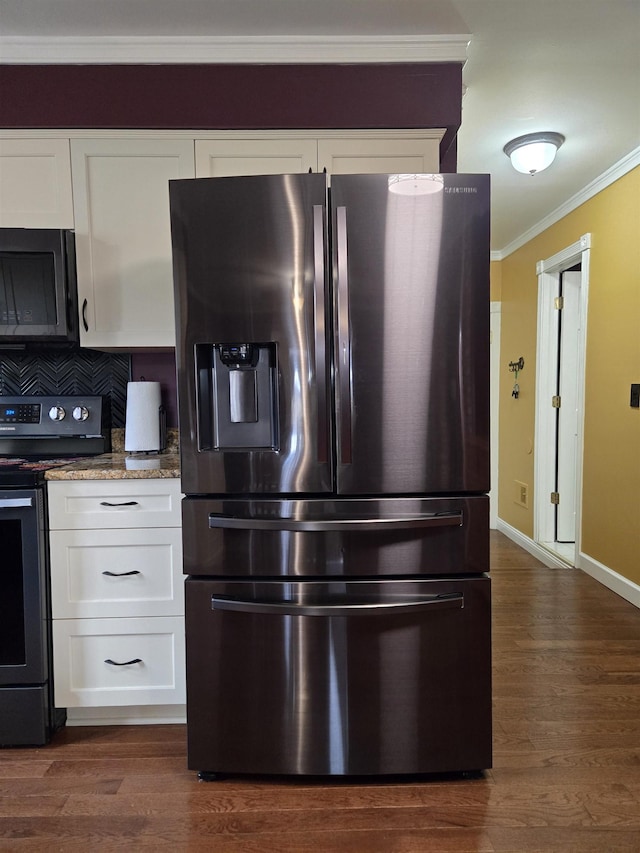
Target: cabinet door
{"type": "Point", "coordinates": [218, 158]}
{"type": "Point", "coordinates": [353, 156]}
{"type": "Point", "coordinates": [102, 662]}
{"type": "Point", "coordinates": [113, 504]}
{"type": "Point", "coordinates": [123, 240]}
{"type": "Point", "coordinates": [111, 573]}
{"type": "Point", "coordinates": [35, 184]}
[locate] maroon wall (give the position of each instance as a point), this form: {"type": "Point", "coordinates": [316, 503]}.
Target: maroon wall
{"type": "Point", "coordinates": [220, 97]}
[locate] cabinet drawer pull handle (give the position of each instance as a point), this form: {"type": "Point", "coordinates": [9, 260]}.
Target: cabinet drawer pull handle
{"type": "Point", "coordinates": [124, 503]}
{"type": "Point", "coordinates": [124, 663]}
{"type": "Point", "coordinates": [84, 315]}
{"type": "Point", "coordinates": [121, 574]}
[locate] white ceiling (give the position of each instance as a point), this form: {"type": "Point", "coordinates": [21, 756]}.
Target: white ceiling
{"type": "Point", "coordinates": [571, 66]}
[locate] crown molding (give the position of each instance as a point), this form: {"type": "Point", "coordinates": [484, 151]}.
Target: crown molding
{"type": "Point", "coordinates": [16, 50]}
{"type": "Point", "coordinates": [617, 171]}
{"type": "Point", "coordinates": [202, 133]}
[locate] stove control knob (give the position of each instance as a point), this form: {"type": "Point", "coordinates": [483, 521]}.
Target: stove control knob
{"type": "Point", "coordinates": [80, 413]}
{"type": "Point", "coordinates": [57, 413]}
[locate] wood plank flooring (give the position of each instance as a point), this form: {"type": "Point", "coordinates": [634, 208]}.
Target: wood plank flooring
{"type": "Point", "coordinates": [566, 774]}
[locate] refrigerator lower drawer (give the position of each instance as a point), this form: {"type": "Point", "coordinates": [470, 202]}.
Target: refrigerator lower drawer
{"type": "Point", "coordinates": [355, 678]}
{"type": "Point", "coordinates": [318, 537]}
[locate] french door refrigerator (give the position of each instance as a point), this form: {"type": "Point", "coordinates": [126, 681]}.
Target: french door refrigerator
{"type": "Point", "coordinates": [332, 352]}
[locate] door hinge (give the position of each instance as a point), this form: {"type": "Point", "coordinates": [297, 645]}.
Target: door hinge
{"type": "Point", "coordinates": [558, 303]}
{"type": "Point", "coordinates": [556, 401]}
{"type": "Point", "coordinates": [555, 497]}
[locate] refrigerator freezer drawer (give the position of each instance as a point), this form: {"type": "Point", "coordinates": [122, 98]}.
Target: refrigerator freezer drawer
{"type": "Point", "coordinates": [355, 678]}
{"type": "Point", "coordinates": [379, 537]}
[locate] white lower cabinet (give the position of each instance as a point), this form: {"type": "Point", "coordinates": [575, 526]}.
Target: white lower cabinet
{"type": "Point", "coordinates": [117, 594]}
{"type": "Point", "coordinates": [119, 661]}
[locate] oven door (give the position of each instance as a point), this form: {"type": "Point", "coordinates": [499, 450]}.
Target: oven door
{"type": "Point", "coordinates": [23, 598]}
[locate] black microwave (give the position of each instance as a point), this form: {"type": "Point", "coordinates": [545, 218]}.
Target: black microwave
{"type": "Point", "coordinates": [38, 288]}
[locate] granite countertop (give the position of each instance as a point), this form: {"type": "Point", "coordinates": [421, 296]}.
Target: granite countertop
{"type": "Point", "coordinates": [119, 466]}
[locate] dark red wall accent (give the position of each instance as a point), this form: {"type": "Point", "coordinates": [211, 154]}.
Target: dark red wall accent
{"type": "Point", "coordinates": [220, 97]}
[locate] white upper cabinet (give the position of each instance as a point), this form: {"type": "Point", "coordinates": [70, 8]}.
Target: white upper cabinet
{"type": "Point", "coordinates": [35, 183]}
{"type": "Point", "coordinates": [113, 189]}
{"type": "Point", "coordinates": [218, 158]}
{"type": "Point", "coordinates": [123, 238]}
{"type": "Point", "coordinates": [358, 153]}
{"type": "Point", "coordinates": [366, 155]}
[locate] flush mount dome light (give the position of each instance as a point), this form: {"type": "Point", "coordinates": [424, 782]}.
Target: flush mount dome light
{"type": "Point", "coordinates": [533, 152]}
{"type": "Point", "coordinates": [415, 184]}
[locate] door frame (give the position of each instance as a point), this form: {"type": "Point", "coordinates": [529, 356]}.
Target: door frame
{"type": "Point", "coordinates": [494, 404]}
{"type": "Point", "coordinates": [549, 271]}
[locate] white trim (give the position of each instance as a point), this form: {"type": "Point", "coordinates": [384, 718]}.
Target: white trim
{"type": "Point", "coordinates": [233, 49]}
{"type": "Point", "coordinates": [121, 715]}
{"type": "Point", "coordinates": [494, 409]}
{"type": "Point", "coordinates": [565, 257]}
{"type": "Point", "coordinates": [617, 583]}
{"type": "Point", "coordinates": [617, 171]}
{"type": "Point", "coordinates": [622, 586]}
{"type": "Point", "coordinates": [537, 551]}
{"type": "Point", "coordinates": [132, 133]}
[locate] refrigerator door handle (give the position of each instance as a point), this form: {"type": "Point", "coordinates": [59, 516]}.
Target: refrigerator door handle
{"type": "Point", "coordinates": [320, 328]}
{"type": "Point", "coordinates": [344, 340]}
{"type": "Point", "coordinates": [447, 601]}
{"type": "Point", "coordinates": [435, 519]}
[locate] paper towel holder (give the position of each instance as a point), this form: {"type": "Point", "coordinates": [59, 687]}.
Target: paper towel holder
{"type": "Point", "coordinates": [145, 424]}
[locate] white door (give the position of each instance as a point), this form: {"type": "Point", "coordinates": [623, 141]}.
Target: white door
{"type": "Point", "coordinates": [559, 432]}
{"type": "Point", "coordinates": [567, 434]}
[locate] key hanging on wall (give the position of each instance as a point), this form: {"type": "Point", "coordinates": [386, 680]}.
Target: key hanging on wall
{"type": "Point", "coordinates": [516, 367]}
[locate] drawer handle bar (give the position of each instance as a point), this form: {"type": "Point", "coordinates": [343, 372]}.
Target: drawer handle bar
{"type": "Point", "coordinates": [124, 663]}
{"type": "Point", "coordinates": [121, 574]}
{"type": "Point", "coordinates": [444, 519]}
{"type": "Point", "coordinates": [447, 601]}
{"type": "Point", "coordinates": [124, 503]}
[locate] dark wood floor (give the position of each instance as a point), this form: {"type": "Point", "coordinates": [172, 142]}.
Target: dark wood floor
{"type": "Point", "coordinates": [566, 774]}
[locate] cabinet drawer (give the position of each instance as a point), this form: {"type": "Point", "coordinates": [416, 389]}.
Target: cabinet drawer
{"type": "Point", "coordinates": [146, 661]}
{"type": "Point", "coordinates": [105, 504]}
{"type": "Point", "coordinates": [99, 573]}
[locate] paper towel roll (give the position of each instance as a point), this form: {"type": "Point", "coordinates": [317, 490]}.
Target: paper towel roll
{"type": "Point", "coordinates": [143, 425]}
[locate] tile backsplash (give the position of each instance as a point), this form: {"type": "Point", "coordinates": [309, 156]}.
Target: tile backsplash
{"type": "Point", "coordinates": [79, 371]}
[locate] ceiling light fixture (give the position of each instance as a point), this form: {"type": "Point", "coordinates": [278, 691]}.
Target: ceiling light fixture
{"type": "Point", "coordinates": [533, 152]}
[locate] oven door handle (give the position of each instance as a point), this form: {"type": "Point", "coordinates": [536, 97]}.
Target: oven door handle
{"type": "Point", "coordinates": [433, 519]}
{"type": "Point", "coordinates": [10, 503]}
{"type": "Point", "coordinates": [445, 601]}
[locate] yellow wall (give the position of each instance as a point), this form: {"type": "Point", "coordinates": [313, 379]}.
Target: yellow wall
{"type": "Point", "coordinates": [611, 474]}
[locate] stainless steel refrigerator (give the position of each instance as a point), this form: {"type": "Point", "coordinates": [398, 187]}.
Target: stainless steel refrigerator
{"type": "Point", "coordinates": [332, 351]}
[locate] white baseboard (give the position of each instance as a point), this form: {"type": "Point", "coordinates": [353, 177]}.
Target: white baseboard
{"type": "Point", "coordinates": [612, 580]}
{"type": "Point", "coordinates": [529, 545]}
{"type": "Point", "coordinates": [622, 586]}
{"type": "Point", "coordinates": [136, 715]}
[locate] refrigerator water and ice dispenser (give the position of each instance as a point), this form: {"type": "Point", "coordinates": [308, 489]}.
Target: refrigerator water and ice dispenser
{"type": "Point", "coordinates": [237, 396]}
